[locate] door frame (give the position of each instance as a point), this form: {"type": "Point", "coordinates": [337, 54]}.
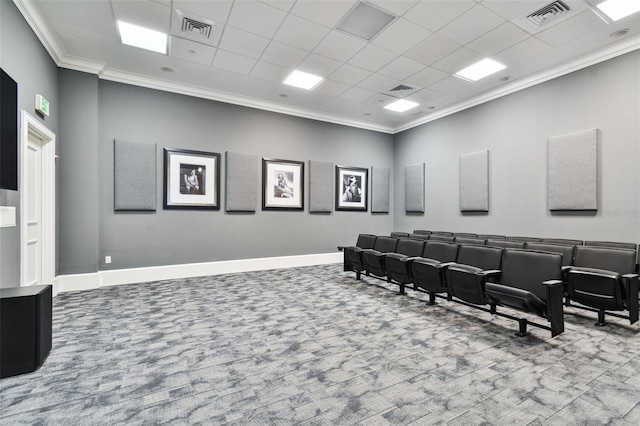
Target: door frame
{"type": "Point", "coordinates": [30, 125]}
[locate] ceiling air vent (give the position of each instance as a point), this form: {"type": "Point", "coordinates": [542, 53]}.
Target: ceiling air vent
{"type": "Point", "coordinates": [401, 90]}
{"type": "Point", "coordinates": [548, 13]}
{"type": "Point", "coordinates": [196, 28]}
{"type": "Point", "coordinates": [189, 26]}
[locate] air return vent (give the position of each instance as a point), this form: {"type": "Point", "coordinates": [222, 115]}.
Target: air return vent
{"type": "Point", "coordinates": [401, 90]}
{"type": "Point", "coordinates": [548, 13]}
{"type": "Point", "coordinates": [196, 28]}
{"type": "Point", "coordinates": [193, 27]}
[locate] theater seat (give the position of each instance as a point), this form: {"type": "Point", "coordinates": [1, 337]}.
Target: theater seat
{"type": "Point", "coordinates": [472, 262]}
{"type": "Point", "coordinates": [427, 271]}
{"type": "Point", "coordinates": [603, 280]}
{"type": "Point", "coordinates": [373, 259]}
{"type": "Point", "coordinates": [398, 264]}
{"type": "Point", "coordinates": [352, 254]}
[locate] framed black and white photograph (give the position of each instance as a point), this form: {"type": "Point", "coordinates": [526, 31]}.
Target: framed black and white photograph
{"type": "Point", "coordinates": [282, 184]}
{"type": "Point", "coordinates": [351, 188]}
{"type": "Point", "coordinates": [191, 179]}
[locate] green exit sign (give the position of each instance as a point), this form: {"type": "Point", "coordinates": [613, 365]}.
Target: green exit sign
{"type": "Point", "coordinates": [42, 105]}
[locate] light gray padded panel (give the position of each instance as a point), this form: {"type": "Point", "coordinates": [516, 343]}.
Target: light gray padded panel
{"type": "Point", "coordinates": [572, 171]}
{"type": "Point", "coordinates": [474, 182]}
{"type": "Point", "coordinates": [414, 188]}
{"type": "Point", "coordinates": [320, 187]}
{"type": "Point", "coordinates": [135, 175]}
{"type": "Point", "coordinates": [241, 182]}
{"type": "Point", "coordinates": [380, 178]}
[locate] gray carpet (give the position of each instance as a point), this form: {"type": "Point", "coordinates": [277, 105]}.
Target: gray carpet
{"type": "Point", "coordinates": [313, 346]}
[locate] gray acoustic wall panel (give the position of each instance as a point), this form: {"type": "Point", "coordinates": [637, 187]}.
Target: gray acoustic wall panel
{"type": "Point", "coordinates": [474, 182]}
{"type": "Point", "coordinates": [414, 188]}
{"type": "Point", "coordinates": [572, 171]}
{"type": "Point", "coordinates": [135, 175]}
{"type": "Point", "coordinates": [241, 182]}
{"type": "Point", "coordinates": [380, 179]}
{"type": "Point", "coordinates": [320, 187]}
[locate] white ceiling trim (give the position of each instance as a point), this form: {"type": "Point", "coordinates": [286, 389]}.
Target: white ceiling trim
{"type": "Point", "coordinates": [65, 61]}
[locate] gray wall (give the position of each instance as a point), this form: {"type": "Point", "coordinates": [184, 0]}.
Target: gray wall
{"type": "Point", "coordinates": [27, 62]}
{"type": "Point", "coordinates": [178, 236]}
{"type": "Point", "coordinates": [515, 129]}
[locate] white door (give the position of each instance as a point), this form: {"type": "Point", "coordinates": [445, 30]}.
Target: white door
{"type": "Point", "coordinates": [37, 202]}
{"type": "Point", "coordinates": [33, 210]}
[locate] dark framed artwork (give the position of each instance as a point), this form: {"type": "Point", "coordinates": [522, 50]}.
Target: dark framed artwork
{"type": "Point", "coordinates": [282, 184]}
{"type": "Point", "coordinates": [351, 188]}
{"type": "Point", "coordinates": [191, 179]}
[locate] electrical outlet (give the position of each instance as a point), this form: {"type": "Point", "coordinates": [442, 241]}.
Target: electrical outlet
{"type": "Point", "coordinates": [107, 259]}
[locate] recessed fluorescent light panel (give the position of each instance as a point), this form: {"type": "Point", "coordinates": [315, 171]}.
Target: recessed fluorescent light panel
{"type": "Point", "coordinates": [365, 21]}
{"type": "Point", "coordinates": [401, 105]}
{"type": "Point", "coordinates": [618, 9]}
{"type": "Point", "coordinates": [144, 38]}
{"type": "Point", "coordinates": [480, 70]}
{"type": "Point", "coordinates": [302, 80]}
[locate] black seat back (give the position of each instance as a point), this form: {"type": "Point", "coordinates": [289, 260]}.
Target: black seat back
{"type": "Point", "coordinates": [483, 257]}
{"type": "Point", "coordinates": [536, 239]}
{"type": "Point", "coordinates": [385, 244]}
{"type": "Point", "coordinates": [445, 233]}
{"type": "Point", "coordinates": [411, 248]}
{"type": "Point", "coordinates": [421, 237]}
{"type": "Point", "coordinates": [400, 234]}
{"type": "Point", "coordinates": [470, 241]}
{"type": "Point", "coordinates": [366, 241]}
{"type": "Point", "coordinates": [566, 251]}
{"type": "Point", "coordinates": [442, 238]}
{"type": "Point", "coordinates": [612, 244]}
{"type": "Point", "coordinates": [563, 241]}
{"type": "Point", "coordinates": [618, 260]}
{"type": "Point", "coordinates": [440, 251]}
{"type": "Point", "coordinates": [491, 237]}
{"type": "Point", "coordinates": [527, 269]}
{"type": "Point", "coordinates": [506, 243]}
{"type": "Point", "coordinates": [465, 235]}
{"type": "Point", "coordinates": [421, 231]}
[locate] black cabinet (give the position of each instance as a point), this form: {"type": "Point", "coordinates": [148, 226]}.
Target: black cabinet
{"type": "Point", "coordinates": [25, 328]}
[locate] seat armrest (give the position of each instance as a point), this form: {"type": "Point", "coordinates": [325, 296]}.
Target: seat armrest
{"type": "Point", "coordinates": [630, 283]}
{"type": "Point", "coordinates": [555, 309]}
{"type": "Point", "coordinates": [490, 272]}
{"type": "Point", "coordinates": [443, 265]}
{"type": "Point", "coordinates": [630, 276]}
{"type": "Point", "coordinates": [552, 283]}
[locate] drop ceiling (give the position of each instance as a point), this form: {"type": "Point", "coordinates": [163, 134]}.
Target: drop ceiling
{"type": "Point", "coordinates": [252, 46]}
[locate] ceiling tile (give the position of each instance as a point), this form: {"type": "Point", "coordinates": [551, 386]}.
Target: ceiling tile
{"type": "Point", "coordinates": [256, 17]}
{"type": "Point", "coordinates": [400, 36]}
{"type": "Point", "coordinates": [357, 94]}
{"type": "Point", "coordinates": [332, 88]}
{"type": "Point", "coordinates": [432, 49]}
{"type": "Point", "coordinates": [458, 60]}
{"type": "Point", "coordinates": [471, 25]}
{"type": "Point", "coordinates": [217, 11]}
{"type": "Point", "coordinates": [378, 83]}
{"type": "Point", "coordinates": [146, 14]}
{"type": "Point", "coordinates": [285, 5]}
{"type": "Point", "coordinates": [319, 65]}
{"type": "Point", "coordinates": [449, 84]}
{"type": "Point", "coordinates": [396, 7]}
{"type": "Point", "coordinates": [349, 74]}
{"type": "Point", "coordinates": [242, 42]}
{"type": "Point", "coordinates": [523, 51]}
{"type": "Point", "coordinates": [426, 77]}
{"type": "Point", "coordinates": [510, 9]}
{"type": "Point", "coordinates": [191, 51]}
{"type": "Point", "coordinates": [499, 39]}
{"type": "Point", "coordinates": [326, 13]}
{"type": "Point", "coordinates": [233, 62]}
{"type": "Point", "coordinates": [572, 29]}
{"type": "Point", "coordinates": [433, 15]}
{"type": "Point", "coordinates": [372, 58]}
{"type": "Point", "coordinates": [401, 68]}
{"type": "Point", "coordinates": [271, 72]}
{"type": "Point", "coordinates": [339, 46]}
{"type": "Point", "coordinates": [300, 33]}
{"type": "Point", "coordinates": [284, 55]}
{"type": "Point", "coordinates": [425, 96]}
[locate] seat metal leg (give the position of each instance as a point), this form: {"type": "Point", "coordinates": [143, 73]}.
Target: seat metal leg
{"type": "Point", "coordinates": [601, 322]}
{"type": "Point", "coordinates": [401, 291]}
{"type": "Point", "coordinates": [522, 328]}
{"type": "Point", "coordinates": [432, 299]}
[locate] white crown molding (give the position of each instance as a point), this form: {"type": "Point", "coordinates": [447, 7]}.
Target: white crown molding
{"type": "Point", "coordinates": [91, 281]}
{"type": "Point", "coordinates": [601, 55]}
{"type": "Point", "coordinates": [65, 61]}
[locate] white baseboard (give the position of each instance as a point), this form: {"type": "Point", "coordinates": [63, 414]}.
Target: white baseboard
{"type": "Point", "coordinates": [77, 282]}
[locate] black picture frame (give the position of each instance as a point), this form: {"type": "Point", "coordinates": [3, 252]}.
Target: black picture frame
{"type": "Point", "coordinates": [352, 188]}
{"type": "Point", "coordinates": [282, 184]}
{"type": "Point", "coordinates": [191, 179]}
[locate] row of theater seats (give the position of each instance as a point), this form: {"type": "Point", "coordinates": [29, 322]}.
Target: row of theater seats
{"type": "Point", "coordinates": [535, 277]}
